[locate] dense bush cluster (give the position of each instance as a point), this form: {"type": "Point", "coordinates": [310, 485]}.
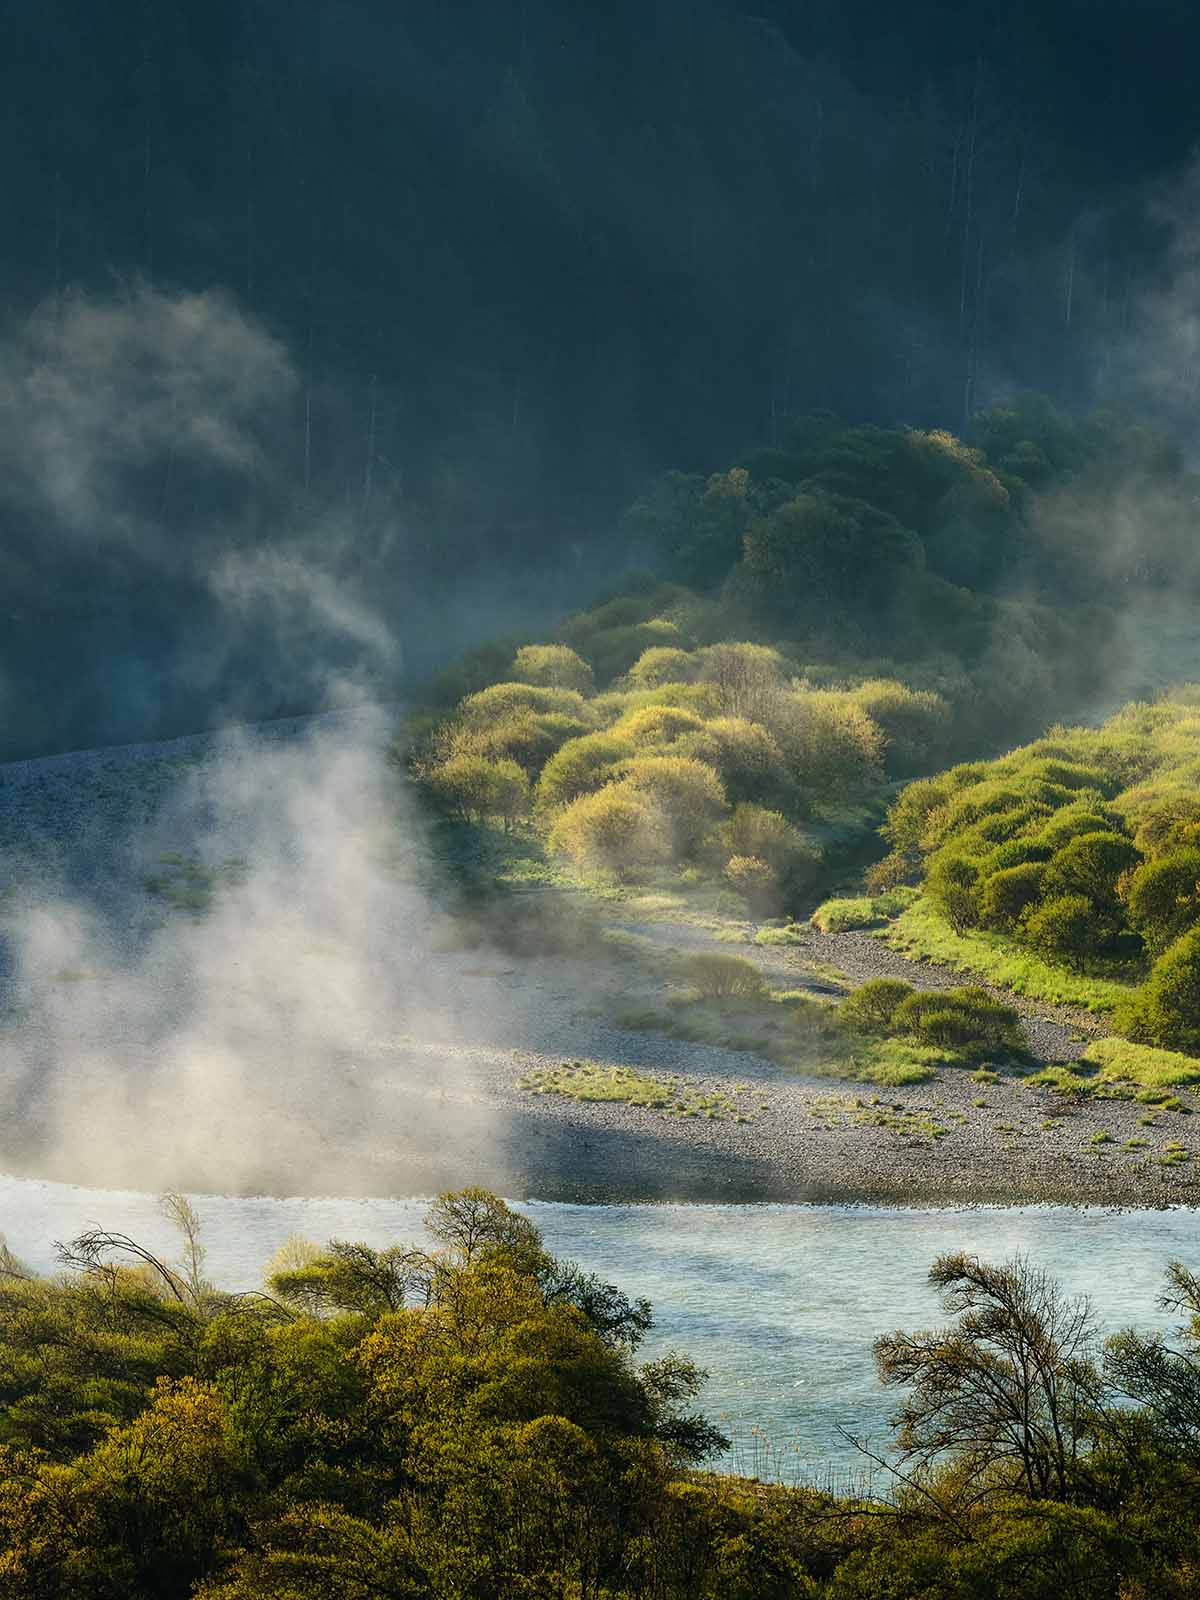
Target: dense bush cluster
{"type": "Point", "coordinates": [1083, 846]}
{"type": "Point", "coordinates": [471, 1422]}
{"type": "Point", "coordinates": [630, 756]}
{"type": "Point", "coordinates": [967, 1019]}
{"type": "Point", "coordinates": [839, 613]}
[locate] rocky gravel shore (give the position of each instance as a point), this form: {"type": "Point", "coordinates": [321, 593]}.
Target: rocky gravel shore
{"type": "Point", "coordinates": [407, 1098]}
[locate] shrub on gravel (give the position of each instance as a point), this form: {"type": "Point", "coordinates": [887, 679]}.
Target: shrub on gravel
{"type": "Point", "coordinates": [755, 880]}
{"type": "Point", "coordinates": [958, 1019]}
{"type": "Point", "coordinates": [721, 977]}
{"type": "Point", "coordinates": [865, 911]}
{"type": "Point", "coordinates": [872, 1007]}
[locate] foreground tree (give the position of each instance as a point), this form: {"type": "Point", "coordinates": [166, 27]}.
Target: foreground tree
{"type": "Point", "coordinates": [1012, 1387]}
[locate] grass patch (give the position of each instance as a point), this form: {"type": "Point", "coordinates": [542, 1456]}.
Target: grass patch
{"type": "Point", "coordinates": [790, 933]}
{"type": "Point", "coordinates": [921, 933]}
{"type": "Point", "coordinates": [863, 911]}
{"type": "Point", "coordinates": [835, 1111]}
{"type": "Point", "coordinates": [186, 884]}
{"type": "Point", "coordinates": [1141, 1064]}
{"type": "Point", "coordinates": [592, 1081]}
{"type": "Point", "coordinates": [792, 1030]}
{"type": "Point", "coordinates": [1114, 1069]}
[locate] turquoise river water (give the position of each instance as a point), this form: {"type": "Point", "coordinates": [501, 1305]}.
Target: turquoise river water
{"type": "Point", "coordinates": [779, 1303]}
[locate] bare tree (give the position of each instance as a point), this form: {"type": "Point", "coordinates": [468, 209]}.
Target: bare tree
{"type": "Point", "coordinates": [1011, 1388]}
{"type": "Point", "coordinates": [1163, 1378]}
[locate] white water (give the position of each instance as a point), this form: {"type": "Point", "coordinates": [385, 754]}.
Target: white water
{"type": "Point", "coordinates": [779, 1303]}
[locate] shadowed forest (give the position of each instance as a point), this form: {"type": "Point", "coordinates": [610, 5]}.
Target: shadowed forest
{"type": "Point", "coordinates": [451, 286]}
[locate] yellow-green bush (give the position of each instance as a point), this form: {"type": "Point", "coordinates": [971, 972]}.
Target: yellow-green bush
{"type": "Point", "coordinates": [748, 677]}
{"type": "Point", "coordinates": [755, 880]}
{"type": "Point", "coordinates": [1166, 1011]}
{"type": "Point", "coordinates": [686, 793]}
{"type": "Point", "coordinates": [754, 831]}
{"type": "Point", "coordinates": [661, 664]}
{"type": "Point", "coordinates": [474, 788]}
{"type": "Point", "coordinates": [553, 666]}
{"type": "Point", "coordinates": [617, 829]}
{"type": "Point", "coordinates": [656, 725]}
{"type": "Point", "coordinates": [579, 767]}
{"type": "Point", "coordinates": [501, 700]}
{"type": "Point", "coordinates": [915, 723]}
{"type": "Point", "coordinates": [723, 977]}
{"type": "Point", "coordinates": [832, 747]}
{"type": "Point", "coordinates": [527, 737]}
{"type": "Point", "coordinates": [745, 754]}
{"type": "Point", "coordinates": [1163, 896]}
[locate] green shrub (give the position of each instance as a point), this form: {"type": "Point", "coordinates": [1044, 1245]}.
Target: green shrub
{"type": "Point", "coordinates": [872, 1007]}
{"type": "Point", "coordinates": [656, 725]}
{"type": "Point", "coordinates": [526, 737]}
{"type": "Point", "coordinates": [554, 666]}
{"type": "Point", "coordinates": [1163, 896]}
{"type": "Point", "coordinates": [1062, 929]}
{"type": "Point", "coordinates": [502, 700]}
{"type": "Point", "coordinates": [1090, 865]}
{"type": "Point", "coordinates": [1008, 894]}
{"type": "Point", "coordinates": [579, 767]}
{"type": "Point", "coordinates": [612, 651]}
{"type": "Point", "coordinates": [1073, 821]}
{"type": "Point", "coordinates": [661, 664]}
{"type": "Point", "coordinates": [617, 829]}
{"type": "Point", "coordinates": [833, 749]}
{"type": "Point", "coordinates": [475, 788]}
{"type": "Point", "coordinates": [958, 1019]}
{"type": "Point", "coordinates": [686, 793]}
{"type": "Point", "coordinates": [909, 815]}
{"type": "Point", "coordinates": [722, 977]}
{"type": "Point", "coordinates": [755, 880]}
{"type": "Point", "coordinates": [753, 831]}
{"type": "Point", "coordinates": [748, 677]}
{"type": "Point", "coordinates": [953, 886]}
{"type": "Point", "coordinates": [1168, 823]}
{"type": "Point", "coordinates": [914, 722]}
{"type": "Point", "coordinates": [1166, 1011]}
{"type": "Point", "coordinates": [748, 759]}
{"type": "Point", "coordinates": [845, 915]}
{"type": "Point", "coordinates": [1017, 853]}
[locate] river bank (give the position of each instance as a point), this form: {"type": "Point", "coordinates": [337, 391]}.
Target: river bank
{"type": "Point", "coordinates": [303, 1032]}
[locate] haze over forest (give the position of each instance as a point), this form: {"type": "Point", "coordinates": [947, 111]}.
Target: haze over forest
{"type": "Point", "coordinates": [409, 302]}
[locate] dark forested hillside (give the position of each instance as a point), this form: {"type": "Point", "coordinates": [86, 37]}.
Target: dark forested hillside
{"type": "Point", "coordinates": [521, 256]}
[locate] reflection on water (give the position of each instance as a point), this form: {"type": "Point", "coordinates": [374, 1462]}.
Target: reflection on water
{"type": "Point", "coordinates": [779, 1303]}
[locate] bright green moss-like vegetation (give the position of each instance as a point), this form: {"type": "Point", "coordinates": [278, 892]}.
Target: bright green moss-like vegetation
{"type": "Point", "coordinates": [1075, 855]}
{"type": "Point", "coordinates": [589, 1080]}
{"type": "Point", "coordinates": [921, 931]}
